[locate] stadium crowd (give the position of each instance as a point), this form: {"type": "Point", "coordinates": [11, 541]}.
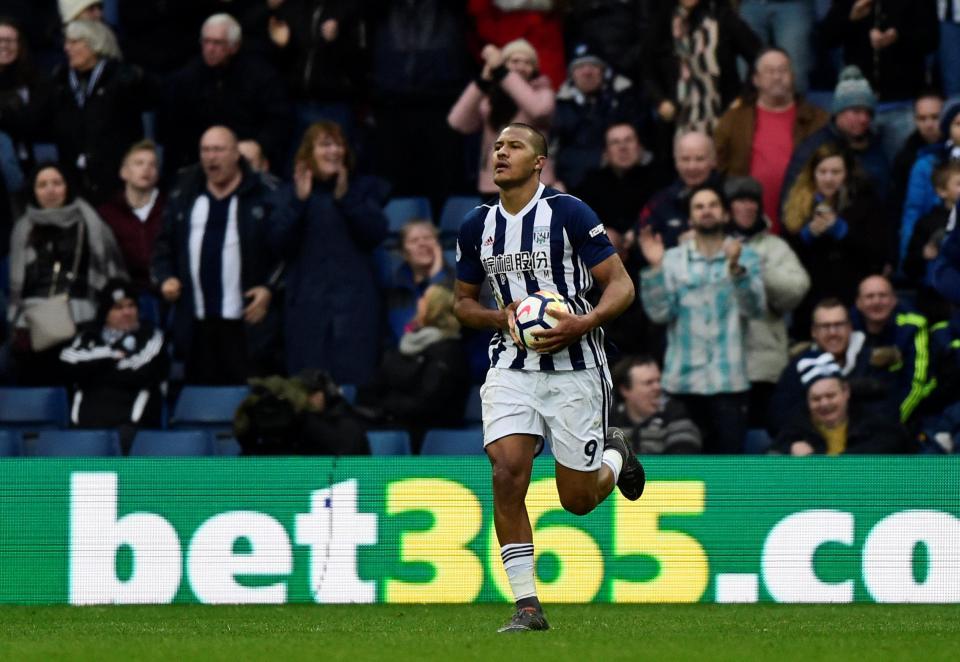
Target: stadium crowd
{"type": "Point", "coordinates": [194, 192]}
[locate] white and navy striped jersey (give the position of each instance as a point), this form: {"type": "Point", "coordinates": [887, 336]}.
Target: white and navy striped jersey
{"type": "Point", "coordinates": [551, 244]}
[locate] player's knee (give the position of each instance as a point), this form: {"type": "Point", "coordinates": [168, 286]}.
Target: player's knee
{"type": "Point", "coordinates": [509, 480]}
{"type": "Point", "coordinates": [578, 504]}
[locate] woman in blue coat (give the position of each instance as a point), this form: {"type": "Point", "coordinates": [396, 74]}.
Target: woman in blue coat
{"type": "Point", "coordinates": [326, 226]}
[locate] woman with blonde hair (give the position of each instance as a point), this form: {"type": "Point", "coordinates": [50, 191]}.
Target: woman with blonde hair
{"type": "Point", "coordinates": [838, 228]}
{"type": "Point", "coordinates": [509, 89]}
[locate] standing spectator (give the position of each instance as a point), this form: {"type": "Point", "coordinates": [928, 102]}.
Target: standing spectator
{"type": "Point", "coordinates": [419, 65]}
{"type": "Point", "coordinates": [785, 282]}
{"type": "Point", "coordinates": [509, 89]}
{"type": "Point", "coordinates": [693, 74]}
{"type": "Point", "coordinates": [926, 121]}
{"type": "Point", "coordinates": [21, 84]}
{"type": "Point", "coordinates": [890, 328]}
{"type": "Point", "coordinates": [58, 230]}
{"type": "Point", "coordinates": [536, 21]}
{"type": "Point", "coordinates": [695, 159]}
{"type": "Point", "coordinates": [328, 222]}
{"type": "Point", "coordinates": [653, 423]}
{"type": "Point", "coordinates": [591, 99]}
{"type": "Point", "coordinates": [838, 228]}
{"type": "Point", "coordinates": [921, 196]}
{"type": "Point", "coordinates": [851, 127]}
{"type": "Point", "coordinates": [704, 290]}
{"type": "Point", "coordinates": [321, 56]}
{"type": "Point", "coordinates": [948, 11]}
{"type": "Point", "coordinates": [136, 214]}
{"type": "Point", "coordinates": [617, 27]}
{"type": "Point", "coordinates": [83, 10]}
{"type": "Point", "coordinates": [757, 136]}
{"type": "Point", "coordinates": [889, 41]}
{"type": "Point", "coordinates": [224, 86]}
{"type": "Point", "coordinates": [423, 266]}
{"type": "Point", "coordinates": [95, 108]}
{"type": "Point", "coordinates": [788, 25]}
{"type": "Point", "coordinates": [117, 367]}
{"type": "Point", "coordinates": [211, 260]}
{"type": "Point", "coordinates": [831, 423]}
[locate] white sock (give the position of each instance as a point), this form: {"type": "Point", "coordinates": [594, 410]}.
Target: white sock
{"type": "Point", "coordinates": [518, 562]}
{"type": "Point", "coordinates": [613, 459]}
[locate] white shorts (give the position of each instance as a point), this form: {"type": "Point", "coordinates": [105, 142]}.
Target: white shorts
{"type": "Point", "coordinates": [568, 408]}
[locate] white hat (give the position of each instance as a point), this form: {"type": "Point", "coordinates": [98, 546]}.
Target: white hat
{"type": "Point", "coordinates": [70, 9]}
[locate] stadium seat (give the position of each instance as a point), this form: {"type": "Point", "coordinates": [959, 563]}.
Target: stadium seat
{"type": "Point", "coordinates": [389, 442]}
{"type": "Point", "coordinates": [386, 261]}
{"type": "Point", "coordinates": [227, 446]}
{"type": "Point", "coordinates": [172, 443]}
{"type": "Point", "coordinates": [757, 442]}
{"type": "Point", "coordinates": [401, 210]}
{"type": "Point", "coordinates": [454, 209]}
{"type": "Point", "coordinates": [208, 407]}
{"type": "Point", "coordinates": [76, 443]}
{"type": "Point", "coordinates": [472, 415]}
{"type": "Point", "coordinates": [453, 442]}
{"type": "Point", "coordinates": [33, 408]}
{"type": "Point", "coordinates": [10, 443]}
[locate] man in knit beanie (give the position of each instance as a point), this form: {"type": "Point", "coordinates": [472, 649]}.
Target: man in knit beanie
{"type": "Point", "coordinates": [851, 126]}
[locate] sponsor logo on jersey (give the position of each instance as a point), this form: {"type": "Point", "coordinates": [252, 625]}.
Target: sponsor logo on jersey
{"type": "Point", "coordinates": [597, 229]}
{"type": "Point", "coordinates": [519, 261]}
{"type": "Point", "coordinates": [541, 234]}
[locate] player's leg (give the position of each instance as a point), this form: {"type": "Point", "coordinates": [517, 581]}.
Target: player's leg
{"type": "Point", "coordinates": [511, 429]}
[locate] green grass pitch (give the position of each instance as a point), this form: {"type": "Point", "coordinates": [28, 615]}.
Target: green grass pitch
{"type": "Point", "coordinates": [468, 632]}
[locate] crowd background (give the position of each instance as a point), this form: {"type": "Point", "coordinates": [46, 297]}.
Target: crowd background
{"type": "Point", "coordinates": [193, 192]}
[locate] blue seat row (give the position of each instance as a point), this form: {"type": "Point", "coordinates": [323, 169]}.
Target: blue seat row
{"type": "Point", "coordinates": [106, 443]}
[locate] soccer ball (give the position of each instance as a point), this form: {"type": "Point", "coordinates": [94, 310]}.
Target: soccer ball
{"type": "Point", "coordinates": [533, 314]}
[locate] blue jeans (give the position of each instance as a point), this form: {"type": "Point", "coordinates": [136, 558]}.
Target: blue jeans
{"type": "Point", "coordinates": [950, 57]}
{"type": "Point", "coordinates": [787, 25]}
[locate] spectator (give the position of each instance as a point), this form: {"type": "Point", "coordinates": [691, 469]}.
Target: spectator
{"type": "Point", "coordinates": [926, 120]}
{"type": "Point", "coordinates": [619, 189]}
{"type": "Point", "coordinates": [693, 74]}
{"type": "Point", "coordinates": [538, 22]}
{"type": "Point", "coordinates": [95, 108]}
{"type": "Point", "coordinates": [654, 423]}
{"type": "Point", "coordinates": [592, 98]}
{"type": "Point", "coordinates": [21, 84]}
{"type": "Point", "coordinates": [890, 328]}
{"type": "Point", "coordinates": [948, 11]}
{"type": "Point", "coordinates": [785, 282]}
{"type": "Point", "coordinates": [425, 382]}
{"type": "Point", "coordinates": [253, 153]}
{"type": "Point", "coordinates": [921, 196]}
{"type": "Point", "coordinates": [328, 223]}
{"type": "Point", "coordinates": [837, 227]}
{"type": "Point", "coordinates": [224, 86]}
{"type": "Point", "coordinates": [304, 415]}
{"type": "Point", "coordinates": [136, 214]}
{"type": "Point", "coordinates": [927, 237]}
{"type": "Point", "coordinates": [850, 127]}
{"type": "Point", "coordinates": [756, 137]}
{"type": "Point", "coordinates": [509, 89]}
{"type": "Point", "coordinates": [616, 27]}
{"type": "Point", "coordinates": [889, 41]}
{"type": "Point", "coordinates": [834, 341]}
{"type": "Point", "coordinates": [117, 367]}
{"type": "Point", "coordinates": [945, 368]}
{"type": "Point", "coordinates": [695, 158]}
{"type": "Point", "coordinates": [80, 10]}
{"type": "Point", "coordinates": [423, 266]}
{"type": "Point", "coordinates": [212, 263]}
{"type": "Point", "coordinates": [946, 268]}
{"type": "Point", "coordinates": [321, 56]}
{"type": "Point", "coordinates": [58, 230]}
{"type": "Point", "coordinates": [704, 290]}
{"type": "Point", "coordinates": [787, 25]}
{"type": "Point", "coordinates": [832, 423]}
{"type": "Point", "coordinates": [420, 64]}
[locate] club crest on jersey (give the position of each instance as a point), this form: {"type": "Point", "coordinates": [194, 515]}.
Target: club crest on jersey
{"type": "Point", "coordinates": [541, 234]}
{"type": "Point", "coordinates": [519, 261]}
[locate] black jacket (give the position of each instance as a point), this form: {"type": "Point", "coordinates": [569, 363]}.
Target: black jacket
{"type": "Point", "coordinates": [869, 431]}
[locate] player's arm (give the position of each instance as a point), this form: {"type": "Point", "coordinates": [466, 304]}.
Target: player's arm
{"type": "Point", "coordinates": [471, 312]}
{"type": "Point", "coordinates": [618, 294]}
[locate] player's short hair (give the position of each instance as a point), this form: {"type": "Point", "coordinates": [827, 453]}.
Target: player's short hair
{"type": "Point", "coordinates": [706, 186]}
{"type": "Point", "coordinates": [145, 145]}
{"type": "Point", "coordinates": [621, 371]}
{"type": "Point", "coordinates": [537, 139]}
{"type": "Point", "coordinates": [942, 174]}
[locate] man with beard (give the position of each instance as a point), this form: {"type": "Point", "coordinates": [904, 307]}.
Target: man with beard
{"type": "Point", "coordinates": [704, 290]}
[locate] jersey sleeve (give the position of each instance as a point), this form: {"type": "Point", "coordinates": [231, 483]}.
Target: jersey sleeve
{"type": "Point", "coordinates": [588, 236]}
{"type": "Point", "coordinates": [469, 268]}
